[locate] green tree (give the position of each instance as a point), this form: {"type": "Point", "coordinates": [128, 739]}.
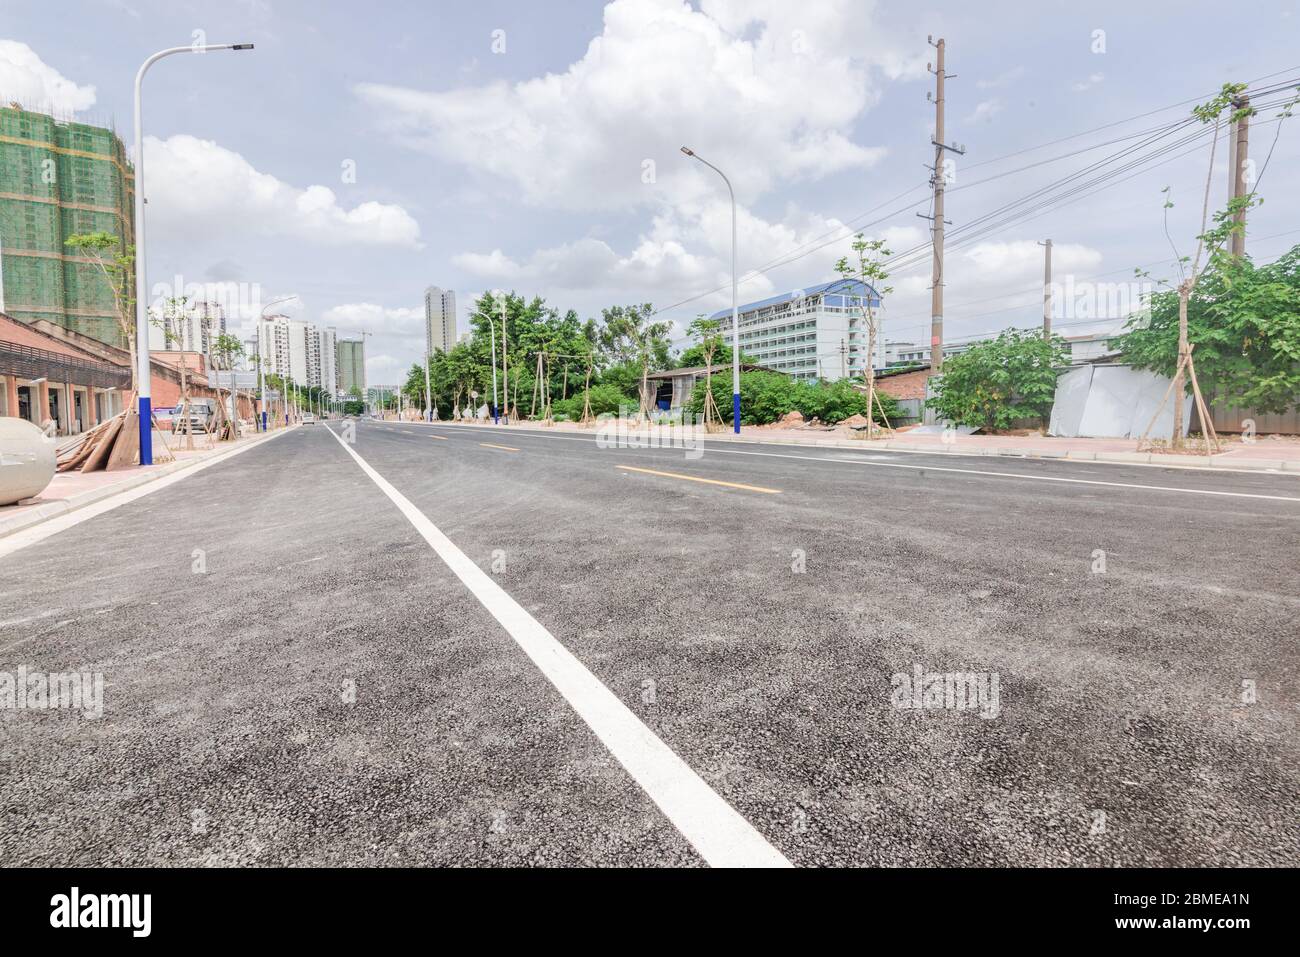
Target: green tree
{"type": "Point", "coordinates": [867, 266]}
{"type": "Point", "coordinates": [708, 340]}
{"type": "Point", "coordinates": [118, 270]}
{"type": "Point", "coordinates": [1244, 322]}
{"type": "Point", "coordinates": [1228, 223]}
{"type": "Point", "coordinates": [996, 383]}
{"type": "Point", "coordinates": [630, 336]}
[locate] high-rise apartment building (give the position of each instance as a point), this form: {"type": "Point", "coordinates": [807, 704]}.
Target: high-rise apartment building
{"type": "Point", "coordinates": [329, 373]}
{"type": "Point", "coordinates": [352, 366]}
{"type": "Point", "coordinates": [58, 179]}
{"type": "Point", "coordinates": [194, 330]}
{"type": "Point", "coordinates": [439, 319]}
{"type": "Point", "coordinates": [292, 348]}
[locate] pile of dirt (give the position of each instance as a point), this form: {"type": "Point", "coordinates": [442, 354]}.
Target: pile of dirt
{"type": "Point", "coordinates": [855, 421]}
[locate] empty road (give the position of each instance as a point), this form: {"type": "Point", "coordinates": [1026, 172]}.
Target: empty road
{"type": "Point", "coordinates": [440, 644]}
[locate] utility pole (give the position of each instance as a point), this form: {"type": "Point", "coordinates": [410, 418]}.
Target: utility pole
{"type": "Point", "coordinates": [844, 372]}
{"type": "Point", "coordinates": [938, 182]}
{"type": "Point", "coordinates": [1047, 289]}
{"type": "Point", "coordinates": [1241, 160]}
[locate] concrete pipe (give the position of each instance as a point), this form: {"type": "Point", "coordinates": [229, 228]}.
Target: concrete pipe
{"type": "Point", "coordinates": [26, 460]}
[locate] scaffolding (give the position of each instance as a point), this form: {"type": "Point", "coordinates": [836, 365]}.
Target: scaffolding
{"type": "Point", "coordinates": [59, 178]}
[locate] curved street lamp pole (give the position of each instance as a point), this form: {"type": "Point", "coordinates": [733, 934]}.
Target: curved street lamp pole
{"type": "Point", "coordinates": [735, 307]}
{"type": "Point", "coordinates": [143, 386]}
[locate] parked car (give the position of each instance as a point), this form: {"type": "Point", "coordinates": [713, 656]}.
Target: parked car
{"type": "Point", "coordinates": [202, 417]}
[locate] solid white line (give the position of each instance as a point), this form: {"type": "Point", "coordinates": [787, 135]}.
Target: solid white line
{"type": "Point", "coordinates": [710, 824]}
{"type": "Point", "coordinates": [37, 533]}
{"type": "Point", "coordinates": [941, 468]}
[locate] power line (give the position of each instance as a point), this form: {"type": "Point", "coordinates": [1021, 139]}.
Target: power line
{"type": "Point", "coordinates": [968, 232]}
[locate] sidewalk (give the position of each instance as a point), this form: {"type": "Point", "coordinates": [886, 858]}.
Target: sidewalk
{"type": "Point", "coordinates": [69, 491]}
{"type": "Point", "coordinates": [1265, 454]}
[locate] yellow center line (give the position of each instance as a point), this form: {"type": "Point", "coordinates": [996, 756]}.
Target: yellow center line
{"type": "Point", "coordinates": [694, 478]}
{"type": "Point", "coordinates": [505, 448]}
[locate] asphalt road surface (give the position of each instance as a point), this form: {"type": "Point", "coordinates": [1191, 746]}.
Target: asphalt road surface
{"type": "Point", "coordinates": [450, 645]}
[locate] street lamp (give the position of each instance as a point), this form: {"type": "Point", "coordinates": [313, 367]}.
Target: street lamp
{"type": "Point", "coordinates": [735, 308]}
{"type": "Point", "coordinates": [261, 377]}
{"type": "Point", "coordinates": [496, 409]}
{"type": "Point", "coordinates": [143, 391]}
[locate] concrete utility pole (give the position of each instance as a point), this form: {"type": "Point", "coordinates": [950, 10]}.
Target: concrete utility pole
{"type": "Point", "coordinates": [938, 182]}
{"type": "Point", "coordinates": [1241, 160]}
{"type": "Point", "coordinates": [1047, 289]}
{"type": "Point", "coordinates": [844, 369]}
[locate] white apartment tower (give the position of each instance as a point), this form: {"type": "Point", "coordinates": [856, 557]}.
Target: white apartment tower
{"type": "Point", "coordinates": [439, 319]}
{"type": "Point", "coordinates": [329, 377]}
{"type": "Point", "coordinates": [297, 349]}
{"type": "Point", "coordinates": [195, 330]}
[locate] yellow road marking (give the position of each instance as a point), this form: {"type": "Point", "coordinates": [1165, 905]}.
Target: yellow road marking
{"type": "Point", "coordinates": [489, 445]}
{"type": "Point", "coordinates": [440, 438]}
{"type": "Point", "coordinates": [694, 478]}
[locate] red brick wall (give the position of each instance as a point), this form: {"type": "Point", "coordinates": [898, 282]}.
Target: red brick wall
{"type": "Point", "coordinates": [909, 385]}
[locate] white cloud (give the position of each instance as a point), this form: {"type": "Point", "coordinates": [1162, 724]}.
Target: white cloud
{"type": "Point", "coordinates": [357, 317]}
{"type": "Point", "coordinates": [1093, 80]}
{"type": "Point", "coordinates": [1024, 257]}
{"type": "Point", "coordinates": [985, 111]}
{"type": "Point", "coordinates": [393, 332]}
{"type": "Point", "coordinates": [734, 80]}
{"type": "Point", "coordinates": [196, 186]}
{"type": "Point", "coordinates": [24, 77]}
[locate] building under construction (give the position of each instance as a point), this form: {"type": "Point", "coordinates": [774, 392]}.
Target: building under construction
{"type": "Point", "coordinates": [58, 179]}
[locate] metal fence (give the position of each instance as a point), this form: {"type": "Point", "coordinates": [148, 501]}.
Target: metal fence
{"type": "Point", "coordinates": [27, 362]}
{"type": "Point", "coordinates": [1227, 419]}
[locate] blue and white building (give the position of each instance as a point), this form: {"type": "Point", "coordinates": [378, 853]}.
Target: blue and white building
{"type": "Point", "coordinates": [812, 333]}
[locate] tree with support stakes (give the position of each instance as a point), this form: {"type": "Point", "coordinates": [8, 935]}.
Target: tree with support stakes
{"type": "Point", "coordinates": [226, 349]}
{"type": "Point", "coordinates": [173, 313]}
{"type": "Point", "coordinates": [868, 269]}
{"type": "Point", "coordinates": [1210, 243]}
{"type": "Point", "coordinates": [629, 335]}
{"type": "Point", "coordinates": [708, 334]}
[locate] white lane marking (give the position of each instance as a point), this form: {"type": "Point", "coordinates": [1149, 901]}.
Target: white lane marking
{"type": "Point", "coordinates": [941, 468]}
{"type": "Point", "coordinates": [710, 824]}
{"type": "Point", "coordinates": [30, 536]}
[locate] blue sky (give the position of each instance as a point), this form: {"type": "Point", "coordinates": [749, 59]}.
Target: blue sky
{"type": "Point", "coordinates": [535, 146]}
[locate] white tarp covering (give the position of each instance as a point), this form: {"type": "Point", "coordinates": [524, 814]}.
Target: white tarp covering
{"type": "Point", "coordinates": [1114, 402]}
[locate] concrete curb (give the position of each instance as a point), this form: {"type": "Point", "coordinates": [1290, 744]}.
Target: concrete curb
{"type": "Point", "coordinates": [41, 513]}
{"type": "Point", "coordinates": [1220, 463]}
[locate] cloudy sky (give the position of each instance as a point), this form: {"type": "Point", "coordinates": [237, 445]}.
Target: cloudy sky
{"type": "Point", "coordinates": [365, 151]}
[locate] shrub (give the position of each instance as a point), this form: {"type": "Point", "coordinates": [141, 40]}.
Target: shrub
{"type": "Point", "coordinates": [994, 384]}
{"type": "Point", "coordinates": [766, 396]}
{"type": "Point", "coordinates": [604, 398]}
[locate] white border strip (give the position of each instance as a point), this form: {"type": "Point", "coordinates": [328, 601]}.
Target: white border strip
{"type": "Point", "coordinates": [711, 825]}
